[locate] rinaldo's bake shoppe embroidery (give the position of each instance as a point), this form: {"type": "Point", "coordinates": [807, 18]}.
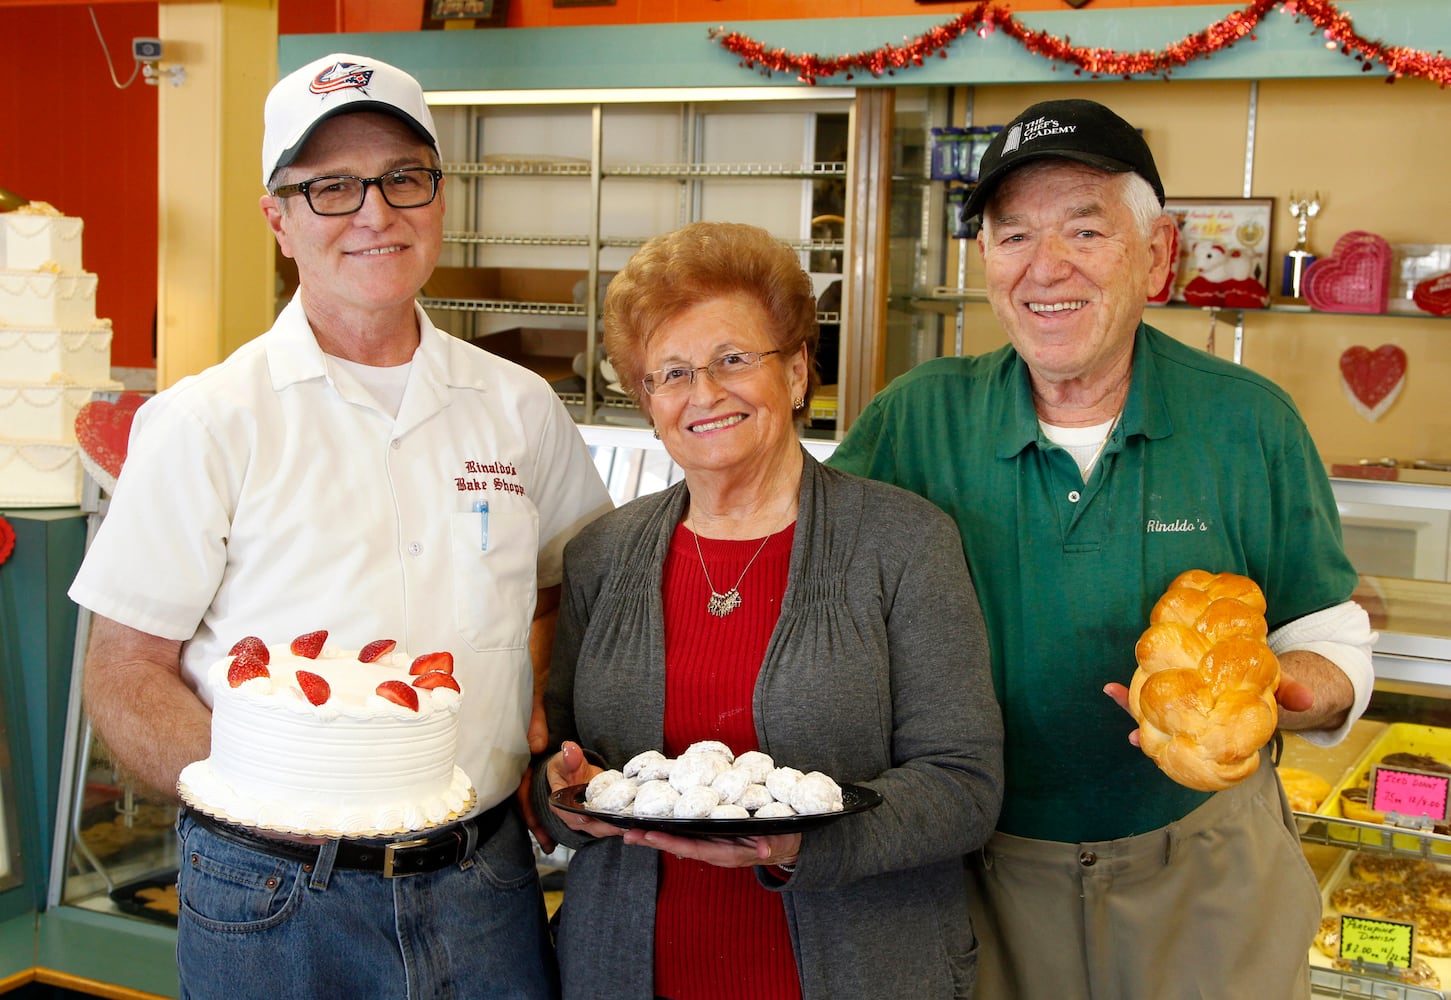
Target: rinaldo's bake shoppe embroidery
{"type": "Point", "coordinates": [497, 477]}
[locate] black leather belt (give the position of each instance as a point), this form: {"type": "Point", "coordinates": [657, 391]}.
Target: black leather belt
{"type": "Point", "coordinates": [393, 859]}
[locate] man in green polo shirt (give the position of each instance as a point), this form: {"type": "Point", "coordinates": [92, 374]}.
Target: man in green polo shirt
{"type": "Point", "coordinates": [1088, 464]}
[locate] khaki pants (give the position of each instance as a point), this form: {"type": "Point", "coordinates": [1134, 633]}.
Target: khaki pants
{"type": "Point", "coordinates": [1218, 906]}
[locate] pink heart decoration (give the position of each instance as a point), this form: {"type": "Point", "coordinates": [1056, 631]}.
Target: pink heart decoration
{"type": "Point", "coordinates": [1355, 278]}
{"type": "Point", "coordinates": [102, 430]}
{"type": "Point", "coordinates": [1373, 379]}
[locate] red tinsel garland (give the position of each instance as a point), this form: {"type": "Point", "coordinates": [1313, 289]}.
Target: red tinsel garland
{"type": "Point", "coordinates": [985, 17]}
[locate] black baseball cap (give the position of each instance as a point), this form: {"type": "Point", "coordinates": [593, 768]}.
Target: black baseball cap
{"type": "Point", "coordinates": [1076, 129]}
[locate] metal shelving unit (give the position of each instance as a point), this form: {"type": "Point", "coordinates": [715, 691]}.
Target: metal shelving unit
{"type": "Point", "coordinates": [607, 204]}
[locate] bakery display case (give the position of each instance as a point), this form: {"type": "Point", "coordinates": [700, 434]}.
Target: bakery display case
{"type": "Point", "coordinates": [1380, 875]}
{"type": "Point", "coordinates": [108, 913]}
{"type": "Point", "coordinates": [114, 849]}
{"type": "Point", "coordinates": [119, 850]}
{"type": "Point", "coordinates": [1396, 536]}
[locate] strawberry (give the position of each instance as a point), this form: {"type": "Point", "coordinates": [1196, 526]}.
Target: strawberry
{"type": "Point", "coordinates": [399, 693]}
{"type": "Point", "coordinates": [314, 687]}
{"type": "Point", "coordinates": [435, 679]}
{"type": "Point", "coordinates": [375, 649]}
{"type": "Point", "coordinates": [244, 667]}
{"type": "Point", "coordinates": [251, 644]}
{"type": "Point", "coordinates": [442, 662]}
{"type": "Point", "coordinates": [309, 644]}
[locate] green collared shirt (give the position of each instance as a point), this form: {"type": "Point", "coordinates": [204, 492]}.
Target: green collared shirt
{"type": "Point", "coordinates": [1210, 467]}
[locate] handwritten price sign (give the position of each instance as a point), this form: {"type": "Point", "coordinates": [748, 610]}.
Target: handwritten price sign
{"type": "Point", "coordinates": [1377, 942]}
{"type": "Point", "coordinates": [1410, 793]}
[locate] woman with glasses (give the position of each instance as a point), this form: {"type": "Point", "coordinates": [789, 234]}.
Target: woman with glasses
{"type": "Point", "coordinates": [767, 603]}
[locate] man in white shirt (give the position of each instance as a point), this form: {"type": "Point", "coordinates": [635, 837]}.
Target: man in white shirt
{"type": "Point", "coordinates": [328, 476]}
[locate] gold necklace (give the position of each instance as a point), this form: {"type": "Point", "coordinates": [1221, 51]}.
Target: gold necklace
{"type": "Point", "coordinates": [720, 604]}
{"type": "Point", "coordinates": [1102, 444]}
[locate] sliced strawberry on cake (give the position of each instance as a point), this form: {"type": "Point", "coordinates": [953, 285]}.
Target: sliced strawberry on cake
{"type": "Point", "coordinates": [399, 693]}
{"type": "Point", "coordinates": [246, 666]}
{"type": "Point", "coordinates": [315, 688]}
{"type": "Point", "coordinates": [309, 644]}
{"type": "Point", "coordinates": [442, 662]}
{"type": "Point", "coordinates": [376, 649]}
{"type": "Point", "coordinates": [436, 679]}
{"type": "Point", "coordinates": [251, 644]}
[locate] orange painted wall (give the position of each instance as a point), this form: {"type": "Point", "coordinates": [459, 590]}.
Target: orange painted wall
{"type": "Point", "coordinates": [70, 137]}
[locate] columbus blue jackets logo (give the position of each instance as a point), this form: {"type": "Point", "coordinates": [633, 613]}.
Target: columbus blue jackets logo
{"type": "Point", "coordinates": [340, 76]}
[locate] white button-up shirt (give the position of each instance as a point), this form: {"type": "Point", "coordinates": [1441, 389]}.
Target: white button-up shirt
{"type": "Point", "coordinates": [269, 496]}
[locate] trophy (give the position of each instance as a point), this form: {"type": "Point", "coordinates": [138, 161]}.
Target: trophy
{"type": "Point", "coordinates": [1299, 259]}
{"type": "Point", "coordinates": [9, 202]}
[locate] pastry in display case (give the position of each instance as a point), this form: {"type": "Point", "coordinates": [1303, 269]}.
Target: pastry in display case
{"type": "Point", "coordinates": [1384, 878]}
{"type": "Point", "coordinates": [123, 847]}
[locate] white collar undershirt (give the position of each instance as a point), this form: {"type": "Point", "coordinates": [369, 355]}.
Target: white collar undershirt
{"type": "Point", "coordinates": [1085, 444]}
{"type": "Point", "coordinates": [384, 385]}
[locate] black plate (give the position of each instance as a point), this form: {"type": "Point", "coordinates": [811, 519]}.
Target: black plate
{"type": "Point", "coordinates": [854, 799]}
{"type": "Point", "coordinates": [128, 899]}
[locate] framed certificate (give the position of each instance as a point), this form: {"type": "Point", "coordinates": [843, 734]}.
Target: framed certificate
{"type": "Point", "coordinates": [485, 13]}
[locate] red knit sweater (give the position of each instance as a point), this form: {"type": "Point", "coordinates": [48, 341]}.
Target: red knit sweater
{"type": "Point", "coordinates": [718, 934]}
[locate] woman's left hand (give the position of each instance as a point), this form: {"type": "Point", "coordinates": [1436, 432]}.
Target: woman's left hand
{"type": "Point", "coordinates": [723, 852]}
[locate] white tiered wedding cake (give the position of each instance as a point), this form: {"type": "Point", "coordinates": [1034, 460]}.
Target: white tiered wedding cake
{"type": "Point", "coordinates": [54, 354]}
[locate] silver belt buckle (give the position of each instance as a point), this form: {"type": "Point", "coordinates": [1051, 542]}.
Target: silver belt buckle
{"type": "Point", "coordinates": [391, 849]}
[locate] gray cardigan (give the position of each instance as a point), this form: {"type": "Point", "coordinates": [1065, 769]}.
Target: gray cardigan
{"type": "Point", "coordinates": [877, 674]}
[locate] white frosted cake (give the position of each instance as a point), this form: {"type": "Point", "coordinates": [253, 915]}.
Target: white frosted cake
{"type": "Point", "coordinates": [341, 744]}
{"type": "Point", "coordinates": [48, 299]}
{"type": "Point", "coordinates": [41, 355]}
{"type": "Point", "coordinates": [54, 355]}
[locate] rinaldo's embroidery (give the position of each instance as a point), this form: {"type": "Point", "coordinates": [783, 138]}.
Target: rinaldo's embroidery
{"type": "Point", "coordinates": [1183, 524]}
{"type": "Point", "coordinates": [496, 477]}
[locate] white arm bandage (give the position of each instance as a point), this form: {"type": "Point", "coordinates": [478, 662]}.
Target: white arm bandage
{"type": "Point", "coordinates": [1343, 636]}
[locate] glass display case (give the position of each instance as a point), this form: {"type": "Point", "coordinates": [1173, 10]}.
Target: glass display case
{"type": "Point", "coordinates": [108, 895]}
{"type": "Point", "coordinates": [119, 846]}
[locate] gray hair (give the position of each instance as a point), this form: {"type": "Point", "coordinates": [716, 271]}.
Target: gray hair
{"type": "Point", "coordinates": [1136, 193]}
{"type": "Point", "coordinates": [1141, 201]}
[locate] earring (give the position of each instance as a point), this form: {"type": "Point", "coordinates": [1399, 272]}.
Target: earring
{"type": "Point", "coordinates": [656, 432]}
{"type": "Point", "coordinates": [797, 403]}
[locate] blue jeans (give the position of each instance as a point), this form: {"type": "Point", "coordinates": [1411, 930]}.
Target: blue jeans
{"type": "Point", "coordinates": [252, 925]}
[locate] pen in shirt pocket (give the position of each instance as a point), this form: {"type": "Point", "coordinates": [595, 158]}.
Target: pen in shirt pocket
{"type": "Point", "coordinates": [482, 507]}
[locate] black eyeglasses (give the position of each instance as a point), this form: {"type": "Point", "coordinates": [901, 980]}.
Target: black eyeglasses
{"type": "Point", "coordinates": [343, 194]}
{"type": "Point", "coordinates": [725, 368]}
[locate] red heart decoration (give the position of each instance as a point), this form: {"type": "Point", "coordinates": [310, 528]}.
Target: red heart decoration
{"type": "Point", "coordinates": [7, 540]}
{"type": "Point", "coordinates": [1434, 295]}
{"type": "Point", "coordinates": [1356, 277]}
{"type": "Point", "coordinates": [1373, 379]}
{"type": "Point", "coordinates": [102, 430]}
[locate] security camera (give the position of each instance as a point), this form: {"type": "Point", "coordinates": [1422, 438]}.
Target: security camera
{"type": "Point", "coordinates": [146, 49]}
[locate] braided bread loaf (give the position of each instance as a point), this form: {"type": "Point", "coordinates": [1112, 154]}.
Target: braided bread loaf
{"type": "Point", "coordinates": [1204, 691]}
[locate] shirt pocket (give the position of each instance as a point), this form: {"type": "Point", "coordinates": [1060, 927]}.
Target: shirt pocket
{"type": "Point", "coordinates": [495, 578]}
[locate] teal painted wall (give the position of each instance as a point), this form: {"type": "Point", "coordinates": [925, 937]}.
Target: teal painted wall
{"type": "Point", "coordinates": [683, 55]}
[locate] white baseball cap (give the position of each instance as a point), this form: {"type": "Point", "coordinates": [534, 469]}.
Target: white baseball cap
{"type": "Point", "coordinates": [333, 85]}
